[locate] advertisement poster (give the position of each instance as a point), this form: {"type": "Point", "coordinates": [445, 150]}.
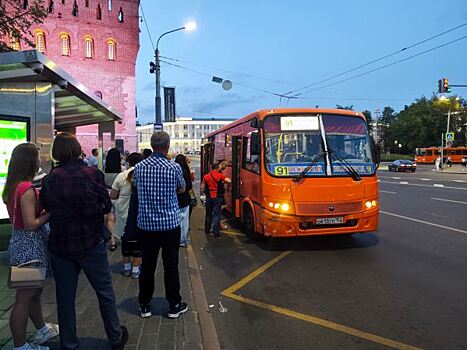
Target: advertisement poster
{"type": "Point", "coordinates": [12, 133]}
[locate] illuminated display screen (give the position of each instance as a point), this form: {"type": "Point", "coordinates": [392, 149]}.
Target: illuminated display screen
{"type": "Point", "coordinates": [12, 133]}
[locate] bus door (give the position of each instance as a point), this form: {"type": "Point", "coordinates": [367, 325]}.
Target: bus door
{"type": "Point", "coordinates": [235, 187]}
{"type": "Point", "coordinates": [207, 158]}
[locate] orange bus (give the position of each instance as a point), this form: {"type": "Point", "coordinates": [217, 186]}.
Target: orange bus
{"type": "Point", "coordinates": [429, 154]}
{"type": "Point", "coordinates": [298, 172]}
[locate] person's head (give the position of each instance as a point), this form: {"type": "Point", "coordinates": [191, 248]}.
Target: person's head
{"type": "Point", "coordinates": [222, 165]}
{"type": "Point", "coordinates": [95, 152]}
{"type": "Point", "coordinates": [112, 161]}
{"type": "Point", "coordinates": [65, 148]}
{"type": "Point", "coordinates": [215, 166]}
{"type": "Point", "coordinates": [24, 164]}
{"type": "Point", "coordinates": [146, 153]}
{"type": "Point", "coordinates": [134, 158]}
{"type": "Point", "coordinates": [181, 160]}
{"type": "Point", "coordinates": [160, 142]}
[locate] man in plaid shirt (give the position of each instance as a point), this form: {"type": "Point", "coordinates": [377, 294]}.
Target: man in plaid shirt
{"type": "Point", "coordinates": [158, 180]}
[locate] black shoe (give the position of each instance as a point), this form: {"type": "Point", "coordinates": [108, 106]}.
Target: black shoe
{"type": "Point", "coordinates": [123, 341]}
{"type": "Point", "coordinates": [145, 310]}
{"type": "Point", "coordinates": [177, 310]}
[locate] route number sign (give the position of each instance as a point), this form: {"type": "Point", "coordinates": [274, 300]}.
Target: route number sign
{"type": "Point", "coordinates": [449, 136]}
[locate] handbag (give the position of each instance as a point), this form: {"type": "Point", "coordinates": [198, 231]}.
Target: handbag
{"type": "Point", "coordinates": [193, 201]}
{"type": "Point", "coordinates": [27, 275]}
{"type": "Point", "coordinates": [30, 274]}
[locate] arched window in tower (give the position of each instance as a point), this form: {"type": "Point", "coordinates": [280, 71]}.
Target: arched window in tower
{"type": "Point", "coordinates": [40, 41]}
{"type": "Point", "coordinates": [109, 5]}
{"type": "Point", "coordinates": [120, 15]}
{"type": "Point", "coordinates": [111, 50]}
{"type": "Point", "coordinates": [63, 2]}
{"type": "Point", "coordinates": [98, 94]}
{"type": "Point", "coordinates": [14, 43]}
{"type": "Point", "coordinates": [74, 12]}
{"type": "Point", "coordinates": [86, 3]}
{"type": "Point", "coordinates": [89, 47]}
{"type": "Point", "coordinates": [25, 4]}
{"type": "Point", "coordinates": [50, 8]}
{"type": "Point", "coordinates": [65, 44]}
{"type": "Point", "coordinates": [99, 11]}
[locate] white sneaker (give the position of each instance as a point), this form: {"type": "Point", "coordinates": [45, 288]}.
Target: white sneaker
{"type": "Point", "coordinates": [36, 347]}
{"type": "Point", "coordinates": [40, 338]}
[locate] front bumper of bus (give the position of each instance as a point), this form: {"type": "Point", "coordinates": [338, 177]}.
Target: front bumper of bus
{"type": "Point", "coordinates": [280, 225]}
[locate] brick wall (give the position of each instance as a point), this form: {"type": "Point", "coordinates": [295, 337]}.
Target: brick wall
{"type": "Point", "coordinates": [114, 79]}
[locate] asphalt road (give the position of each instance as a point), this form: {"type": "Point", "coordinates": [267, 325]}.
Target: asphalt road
{"type": "Point", "coordinates": [402, 287]}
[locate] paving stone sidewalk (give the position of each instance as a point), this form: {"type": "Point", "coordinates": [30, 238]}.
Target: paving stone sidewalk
{"type": "Point", "coordinates": [155, 333]}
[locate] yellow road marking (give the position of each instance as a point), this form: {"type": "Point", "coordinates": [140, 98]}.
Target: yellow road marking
{"type": "Point", "coordinates": [230, 293]}
{"type": "Point", "coordinates": [232, 233]}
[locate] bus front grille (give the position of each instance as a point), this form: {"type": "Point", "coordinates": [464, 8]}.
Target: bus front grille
{"type": "Point", "coordinates": [328, 208]}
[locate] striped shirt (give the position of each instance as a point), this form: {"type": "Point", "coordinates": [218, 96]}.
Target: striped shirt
{"type": "Point", "coordinates": [157, 180]}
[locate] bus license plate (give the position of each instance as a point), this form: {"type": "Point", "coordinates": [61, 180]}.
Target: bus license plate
{"type": "Point", "coordinates": [330, 221]}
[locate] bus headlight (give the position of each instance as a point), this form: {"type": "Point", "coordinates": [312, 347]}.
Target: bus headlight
{"type": "Point", "coordinates": [280, 206]}
{"type": "Point", "coordinates": [371, 204]}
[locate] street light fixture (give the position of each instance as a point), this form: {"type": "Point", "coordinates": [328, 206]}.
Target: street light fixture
{"type": "Point", "coordinates": [156, 68]}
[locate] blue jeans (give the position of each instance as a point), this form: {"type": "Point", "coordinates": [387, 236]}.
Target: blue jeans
{"type": "Point", "coordinates": [213, 215]}
{"type": "Point", "coordinates": [66, 272]}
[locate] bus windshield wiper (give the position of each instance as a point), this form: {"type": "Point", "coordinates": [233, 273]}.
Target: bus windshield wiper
{"type": "Point", "coordinates": [349, 168]}
{"type": "Point", "coordinates": [312, 162]}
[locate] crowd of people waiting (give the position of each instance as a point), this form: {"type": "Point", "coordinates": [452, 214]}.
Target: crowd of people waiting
{"type": "Point", "coordinates": [142, 200]}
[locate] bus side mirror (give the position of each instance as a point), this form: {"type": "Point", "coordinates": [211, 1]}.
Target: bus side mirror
{"type": "Point", "coordinates": [255, 144]}
{"type": "Point", "coordinates": [376, 153]}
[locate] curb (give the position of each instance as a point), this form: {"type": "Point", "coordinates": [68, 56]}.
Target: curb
{"type": "Point", "coordinates": [208, 329]}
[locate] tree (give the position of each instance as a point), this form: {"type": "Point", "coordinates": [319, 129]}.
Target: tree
{"type": "Point", "coordinates": [388, 116]}
{"type": "Point", "coordinates": [348, 108]}
{"type": "Point", "coordinates": [16, 19]}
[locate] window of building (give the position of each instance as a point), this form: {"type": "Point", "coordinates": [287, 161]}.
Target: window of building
{"type": "Point", "coordinates": [65, 43]}
{"type": "Point", "coordinates": [15, 45]}
{"type": "Point", "coordinates": [109, 5]}
{"type": "Point", "coordinates": [120, 15]}
{"type": "Point", "coordinates": [86, 3]}
{"type": "Point", "coordinates": [99, 12]}
{"type": "Point", "coordinates": [111, 50]}
{"type": "Point", "coordinates": [63, 2]}
{"type": "Point", "coordinates": [89, 47]}
{"type": "Point", "coordinates": [74, 12]}
{"type": "Point", "coordinates": [50, 8]}
{"type": "Point", "coordinates": [25, 4]}
{"type": "Point", "coordinates": [98, 94]}
{"type": "Point", "coordinates": [40, 41]}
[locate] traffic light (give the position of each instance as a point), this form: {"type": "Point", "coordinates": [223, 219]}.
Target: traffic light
{"type": "Point", "coordinates": [440, 86]}
{"type": "Point", "coordinates": [446, 87]}
{"type": "Point", "coordinates": [152, 67]}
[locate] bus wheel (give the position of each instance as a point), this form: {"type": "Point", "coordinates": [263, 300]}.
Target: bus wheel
{"type": "Point", "coordinates": [249, 224]}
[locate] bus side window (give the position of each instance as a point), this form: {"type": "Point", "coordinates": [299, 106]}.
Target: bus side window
{"type": "Point", "coordinates": [429, 152]}
{"type": "Point", "coordinates": [250, 162]}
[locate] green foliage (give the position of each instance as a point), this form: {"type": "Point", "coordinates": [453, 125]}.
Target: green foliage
{"type": "Point", "coordinates": [422, 123]}
{"type": "Point", "coordinates": [368, 118]}
{"type": "Point", "coordinates": [16, 21]}
{"type": "Point", "coordinates": [390, 157]}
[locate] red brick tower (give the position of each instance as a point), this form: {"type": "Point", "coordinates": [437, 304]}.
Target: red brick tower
{"type": "Point", "coordinates": [96, 42]}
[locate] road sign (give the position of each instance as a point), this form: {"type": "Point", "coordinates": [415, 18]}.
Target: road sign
{"type": "Point", "coordinates": [158, 127]}
{"type": "Point", "coordinates": [449, 136]}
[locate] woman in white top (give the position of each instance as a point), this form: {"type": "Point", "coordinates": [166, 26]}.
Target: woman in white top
{"type": "Point", "coordinates": [121, 193]}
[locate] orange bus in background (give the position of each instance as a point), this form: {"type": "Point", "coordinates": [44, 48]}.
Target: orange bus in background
{"type": "Point", "coordinates": [298, 172]}
{"type": "Point", "coordinates": [429, 154]}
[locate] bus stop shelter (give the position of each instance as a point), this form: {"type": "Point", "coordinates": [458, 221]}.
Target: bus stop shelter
{"type": "Point", "coordinates": [36, 91]}
{"type": "Point", "coordinates": [39, 99]}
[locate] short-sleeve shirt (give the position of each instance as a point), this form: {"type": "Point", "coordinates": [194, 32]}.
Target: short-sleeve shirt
{"type": "Point", "coordinates": [123, 186]}
{"type": "Point", "coordinates": [14, 212]}
{"type": "Point", "coordinates": [157, 180]}
{"type": "Point", "coordinates": [211, 180]}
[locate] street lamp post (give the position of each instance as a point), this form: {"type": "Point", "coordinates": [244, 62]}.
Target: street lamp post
{"type": "Point", "coordinates": [189, 26]}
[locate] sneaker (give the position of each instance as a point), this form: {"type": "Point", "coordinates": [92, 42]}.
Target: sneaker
{"type": "Point", "coordinates": [135, 274]}
{"type": "Point", "coordinates": [177, 310]}
{"type": "Point", "coordinates": [35, 347]}
{"type": "Point", "coordinates": [145, 310]}
{"type": "Point", "coordinates": [183, 245]}
{"type": "Point", "coordinates": [126, 272]}
{"type": "Point", "coordinates": [223, 226]}
{"type": "Point", "coordinates": [42, 337]}
{"type": "Point", "coordinates": [123, 341]}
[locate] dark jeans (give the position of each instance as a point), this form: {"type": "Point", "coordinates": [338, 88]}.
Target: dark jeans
{"type": "Point", "coordinates": [66, 271]}
{"type": "Point", "coordinates": [151, 242]}
{"type": "Point", "coordinates": [213, 215]}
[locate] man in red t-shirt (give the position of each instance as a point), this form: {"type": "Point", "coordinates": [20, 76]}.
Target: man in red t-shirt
{"type": "Point", "coordinates": [213, 186]}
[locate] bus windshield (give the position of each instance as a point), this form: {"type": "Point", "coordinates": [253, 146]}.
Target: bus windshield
{"type": "Point", "coordinates": [293, 142]}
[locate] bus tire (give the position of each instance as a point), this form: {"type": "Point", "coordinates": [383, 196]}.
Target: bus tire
{"type": "Point", "coordinates": [249, 227]}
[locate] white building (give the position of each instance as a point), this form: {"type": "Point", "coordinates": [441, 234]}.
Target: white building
{"type": "Point", "coordinates": [185, 133]}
